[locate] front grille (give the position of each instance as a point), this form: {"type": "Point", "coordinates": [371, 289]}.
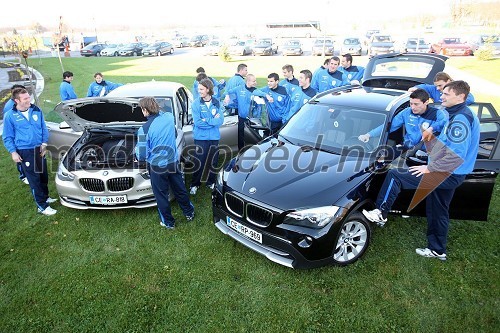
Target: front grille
{"type": "Point", "coordinates": [253, 213]}
{"type": "Point", "coordinates": [92, 184]}
{"type": "Point", "coordinates": [234, 204]}
{"type": "Point", "coordinates": [258, 215]}
{"type": "Point", "coordinates": [120, 184]}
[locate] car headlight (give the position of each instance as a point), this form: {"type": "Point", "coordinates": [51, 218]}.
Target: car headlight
{"type": "Point", "coordinates": [63, 174]}
{"type": "Point", "coordinates": [145, 175]}
{"type": "Point", "coordinates": [313, 218]}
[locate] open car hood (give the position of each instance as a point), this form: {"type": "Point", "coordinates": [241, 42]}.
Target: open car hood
{"type": "Point", "coordinates": [82, 113]}
{"type": "Point", "coordinates": [414, 68]}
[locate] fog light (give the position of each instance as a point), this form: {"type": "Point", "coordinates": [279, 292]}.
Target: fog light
{"type": "Point", "coordinates": [306, 242]}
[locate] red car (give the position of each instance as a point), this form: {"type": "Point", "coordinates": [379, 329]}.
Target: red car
{"type": "Point", "coordinates": [451, 47]}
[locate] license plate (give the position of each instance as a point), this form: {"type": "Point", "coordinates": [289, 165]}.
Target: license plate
{"type": "Point", "coordinates": [243, 230]}
{"type": "Point", "coordinates": [108, 199]}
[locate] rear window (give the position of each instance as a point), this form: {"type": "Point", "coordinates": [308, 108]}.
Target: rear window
{"type": "Point", "coordinates": [387, 67]}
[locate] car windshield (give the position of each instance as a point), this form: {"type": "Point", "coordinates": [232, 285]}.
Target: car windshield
{"type": "Point", "coordinates": [332, 128]}
{"type": "Point", "coordinates": [452, 40]}
{"type": "Point", "coordinates": [414, 41]}
{"type": "Point", "coordinates": [264, 43]}
{"type": "Point", "coordinates": [382, 39]}
{"type": "Point", "coordinates": [155, 45]}
{"type": "Point", "coordinates": [321, 42]}
{"type": "Point", "coordinates": [131, 45]}
{"type": "Point", "coordinates": [490, 39]}
{"type": "Point", "coordinates": [351, 41]}
{"type": "Point", "coordinates": [293, 43]}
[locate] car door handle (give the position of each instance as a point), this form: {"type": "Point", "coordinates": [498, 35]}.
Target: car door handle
{"type": "Point", "coordinates": [230, 123]}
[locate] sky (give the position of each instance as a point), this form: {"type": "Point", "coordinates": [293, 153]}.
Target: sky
{"type": "Point", "coordinates": [198, 12]}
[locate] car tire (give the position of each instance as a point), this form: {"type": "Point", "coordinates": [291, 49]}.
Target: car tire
{"type": "Point", "coordinates": [352, 240]}
{"type": "Point", "coordinates": [116, 54]}
{"type": "Point", "coordinates": [134, 54]}
{"type": "Point", "coordinates": [159, 54]}
{"type": "Point", "coordinates": [172, 51]}
{"type": "Point", "coordinates": [98, 54]}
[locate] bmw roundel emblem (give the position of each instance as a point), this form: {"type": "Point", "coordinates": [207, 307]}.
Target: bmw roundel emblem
{"type": "Point", "coordinates": [105, 173]}
{"type": "Point", "coordinates": [252, 190]}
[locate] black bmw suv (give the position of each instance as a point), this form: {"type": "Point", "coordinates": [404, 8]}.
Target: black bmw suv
{"type": "Point", "coordinates": [297, 197]}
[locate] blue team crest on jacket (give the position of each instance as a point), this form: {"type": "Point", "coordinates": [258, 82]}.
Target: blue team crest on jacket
{"type": "Point", "coordinates": [35, 117]}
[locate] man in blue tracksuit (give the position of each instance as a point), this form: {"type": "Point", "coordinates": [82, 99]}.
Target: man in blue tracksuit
{"type": "Point", "coordinates": [218, 85]}
{"type": "Point", "coordinates": [9, 105]}
{"type": "Point", "coordinates": [156, 145]}
{"type": "Point", "coordinates": [419, 119]}
{"type": "Point", "coordinates": [244, 99]}
{"type": "Point", "coordinates": [302, 95]}
{"type": "Point", "coordinates": [354, 73]}
{"type": "Point", "coordinates": [330, 78]}
{"type": "Point", "coordinates": [237, 80]}
{"type": "Point", "coordinates": [277, 101]}
{"type": "Point", "coordinates": [289, 82]}
{"type": "Point", "coordinates": [449, 163]}
{"type": "Point", "coordinates": [208, 116]}
{"type": "Point", "coordinates": [66, 90]}
{"type": "Point", "coordinates": [25, 136]}
{"type": "Point", "coordinates": [99, 87]}
{"type": "Point", "coordinates": [435, 90]}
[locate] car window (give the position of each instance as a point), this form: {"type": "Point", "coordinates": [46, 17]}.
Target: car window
{"type": "Point", "coordinates": [387, 67]}
{"type": "Point", "coordinates": [183, 98]}
{"type": "Point", "coordinates": [332, 126]}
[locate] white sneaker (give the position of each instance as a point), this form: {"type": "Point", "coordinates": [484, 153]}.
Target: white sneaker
{"type": "Point", "coordinates": [50, 200]}
{"type": "Point", "coordinates": [375, 216]}
{"type": "Point", "coordinates": [211, 187]}
{"type": "Point", "coordinates": [25, 180]}
{"type": "Point", "coordinates": [193, 190]}
{"type": "Point", "coordinates": [428, 253]}
{"type": "Point", "coordinates": [47, 211]}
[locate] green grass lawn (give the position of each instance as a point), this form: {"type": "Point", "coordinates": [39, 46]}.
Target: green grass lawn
{"type": "Point", "coordinates": [119, 271]}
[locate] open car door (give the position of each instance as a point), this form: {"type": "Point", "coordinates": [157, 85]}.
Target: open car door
{"type": "Point", "coordinates": [258, 125]}
{"type": "Point", "coordinates": [471, 200]}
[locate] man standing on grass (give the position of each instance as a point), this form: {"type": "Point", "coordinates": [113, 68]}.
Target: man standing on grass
{"type": "Point", "coordinates": [156, 145]}
{"type": "Point", "coordinates": [66, 90]}
{"type": "Point", "coordinates": [449, 163]}
{"type": "Point", "coordinates": [25, 136]}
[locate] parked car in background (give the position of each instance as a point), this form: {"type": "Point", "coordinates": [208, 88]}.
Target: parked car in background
{"type": "Point", "coordinates": [158, 49]}
{"type": "Point", "coordinates": [480, 41]}
{"type": "Point", "coordinates": [452, 46]}
{"type": "Point", "coordinates": [380, 44]}
{"type": "Point", "coordinates": [111, 50]}
{"type": "Point", "coordinates": [198, 41]}
{"type": "Point", "coordinates": [132, 49]}
{"type": "Point", "coordinates": [264, 46]}
{"type": "Point", "coordinates": [351, 45]}
{"type": "Point", "coordinates": [323, 46]}
{"type": "Point", "coordinates": [240, 47]}
{"type": "Point", "coordinates": [292, 47]}
{"type": "Point", "coordinates": [93, 49]}
{"type": "Point", "coordinates": [213, 47]}
{"type": "Point", "coordinates": [304, 210]}
{"type": "Point", "coordinates": [181, 41]}
{"type": "Point", "coordinates": [417, 45]}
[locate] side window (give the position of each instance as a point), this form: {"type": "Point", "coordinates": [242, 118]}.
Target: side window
{"type": "Point", "coordinates": [489, 129]}
{"type": "Point", "coordinates": [185, 115]}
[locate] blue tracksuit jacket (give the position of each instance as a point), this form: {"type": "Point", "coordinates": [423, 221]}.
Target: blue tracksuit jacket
{"type": "Point", "coordinates": [217, 88]}
{"type": "Point", "coordinates": [233, 82]}
{"type": "Point", "coordinates": [326, 80]}
{"type": "Point", "coordinates": [353, 72]}
{"type": "Point", "coordinates": [435, 94]}
{"type": "Point", "coordinates": [414, 123]}
{"type": "Point", "coordinates": [95, 88]}
{"type": "Point", "coordinates": [290, 85]}
{"type": "Point", "coordinates": [205, 125]}
{"type": "Point", "coordinates": [299, 98]}
{"type": "Point", "coordinates": [22, 133]}
{"type": "Point", "coordinates": [244, 99]}
{"type": "Point", "coordinates": [156, 140]}
{"type": "Point", "coordinates": [66, 91]}
{"type": "Point", "coordinates": [278, 109]}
